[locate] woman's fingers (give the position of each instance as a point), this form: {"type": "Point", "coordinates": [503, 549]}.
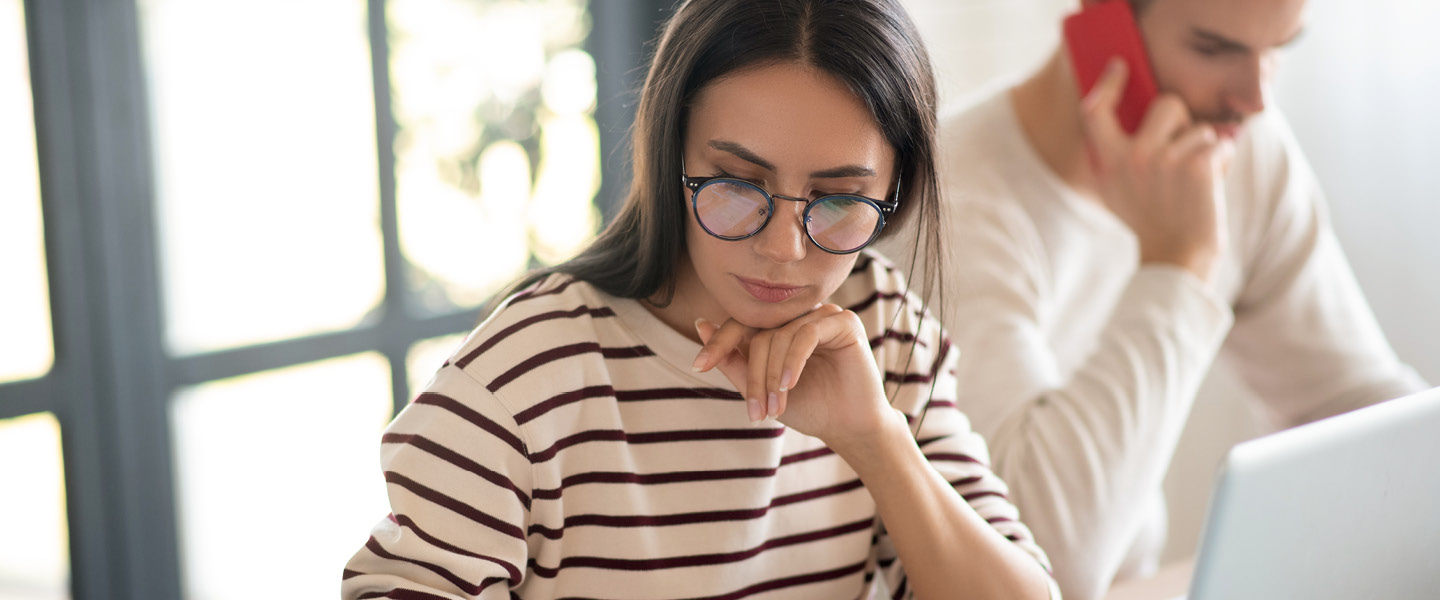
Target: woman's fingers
{"type": "Point", "coordinates": [722, 351]}
{"type": "Point", "coordinates": [758, 400]}
{"type": "Point", "coordinates": [790, 348]}
{"type": "Point", "coordinates": [767, 365]}
{"type": "Point", "coordinates": [719, 341]}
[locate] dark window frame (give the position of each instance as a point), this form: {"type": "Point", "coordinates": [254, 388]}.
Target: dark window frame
{"type": "Point", "coordinates": [112, 380]}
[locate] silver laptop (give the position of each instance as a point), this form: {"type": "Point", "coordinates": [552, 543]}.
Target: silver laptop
{"type": "Point", "coordinates": [1342, 508]}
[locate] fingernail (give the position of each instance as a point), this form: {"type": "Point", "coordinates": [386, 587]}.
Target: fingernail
{"type": "Point", "coordinates": [700, 360]}
{"type": "Point", "coordinates": [753, 406]}
{"type": "Point", "coordinates": [774, 405]}
{"type": "Point", "coordinates": [785, 380]}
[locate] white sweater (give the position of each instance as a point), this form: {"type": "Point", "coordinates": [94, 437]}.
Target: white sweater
{"type": "Point", "coordinates": [1080, 366]}
{"type": "Point", "coordinates": [569, 450]}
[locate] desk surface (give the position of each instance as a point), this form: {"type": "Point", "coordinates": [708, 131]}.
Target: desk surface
{"type": "Point", "coordinates": [1171, 581]}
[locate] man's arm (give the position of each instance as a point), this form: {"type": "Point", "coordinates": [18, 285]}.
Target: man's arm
{"type": "Point", "coordinates": [1305, 338]}
{"type": "Point", "coordinates": [1083, 455]}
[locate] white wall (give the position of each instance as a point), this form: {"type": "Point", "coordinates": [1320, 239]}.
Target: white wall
{"type": "Point", "coordinates": [1362, 90]}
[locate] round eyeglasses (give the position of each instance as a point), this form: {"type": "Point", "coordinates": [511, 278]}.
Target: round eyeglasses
{"type": "Point", "coordinates": [735, 209]}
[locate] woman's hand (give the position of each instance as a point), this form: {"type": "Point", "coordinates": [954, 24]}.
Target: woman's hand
{"type": "Point", "coordinates": [816, 374]}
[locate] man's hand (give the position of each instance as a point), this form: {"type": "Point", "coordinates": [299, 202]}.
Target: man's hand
{"type": "Point", "coordinates": [1165, 182]}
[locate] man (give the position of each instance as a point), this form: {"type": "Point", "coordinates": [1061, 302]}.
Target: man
{"type": "Point", "coordinates": [1092, 277]}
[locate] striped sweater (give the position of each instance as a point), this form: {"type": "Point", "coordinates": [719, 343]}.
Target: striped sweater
{"type": "Point", "coordinates": [568, 450]}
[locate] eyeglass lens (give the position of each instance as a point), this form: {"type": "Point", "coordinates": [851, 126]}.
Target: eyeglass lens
{"type": "Point", "coordinates": [734, 210]}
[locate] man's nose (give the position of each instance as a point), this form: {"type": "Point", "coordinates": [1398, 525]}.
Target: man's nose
{"type": "Point", "coordinates": [1247, 92]}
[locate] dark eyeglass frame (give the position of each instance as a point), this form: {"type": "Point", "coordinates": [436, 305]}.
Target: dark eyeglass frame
{"type": "Point", "coordinates": [884, 207]}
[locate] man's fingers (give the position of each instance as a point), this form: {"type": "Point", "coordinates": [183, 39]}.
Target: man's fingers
{"type": "Point", "coordinates": [1200, 139]}
{"type": "Point", "coordinates": [1165, 119]}
{"type": "Point", "coordinates": [1102, 125]}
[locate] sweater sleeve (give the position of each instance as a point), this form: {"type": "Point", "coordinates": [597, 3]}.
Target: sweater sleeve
{"type": "Point", "coordinates": [1305, 338]}
{"type": "Point", "coordinates": [922, 377]}
{"type": "Point", "coordinates": [1082, 455]}
{"type": "Point", "coordinates": [458, 479]}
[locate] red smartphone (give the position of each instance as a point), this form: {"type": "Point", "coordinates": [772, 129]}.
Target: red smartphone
{"type": "Point", "coordinates": [1102, 30]}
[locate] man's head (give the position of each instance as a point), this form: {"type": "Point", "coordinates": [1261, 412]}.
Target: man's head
{"type": "Point", "coordinates": [1217, 55]}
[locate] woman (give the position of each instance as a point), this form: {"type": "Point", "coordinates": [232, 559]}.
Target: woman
{"type": "Point", "coordinates": [716, 399]}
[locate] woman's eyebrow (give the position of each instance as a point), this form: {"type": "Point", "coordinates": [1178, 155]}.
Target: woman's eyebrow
{"type": "Point", "coordinates": [749, 156]}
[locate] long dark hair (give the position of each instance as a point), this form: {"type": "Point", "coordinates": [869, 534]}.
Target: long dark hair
{"type": "Point", "coordinates": [869, 45]}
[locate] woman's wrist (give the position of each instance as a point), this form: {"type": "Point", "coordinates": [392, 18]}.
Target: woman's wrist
{"type": "Point", "coordinates": [878, 448]}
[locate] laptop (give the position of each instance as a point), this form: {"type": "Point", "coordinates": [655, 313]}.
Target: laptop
{"type": "Point", "coordinates": [1343, 508]}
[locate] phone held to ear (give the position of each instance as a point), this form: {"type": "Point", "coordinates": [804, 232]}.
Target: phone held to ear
{"type": "Point", "coordinates": [1106, 29]}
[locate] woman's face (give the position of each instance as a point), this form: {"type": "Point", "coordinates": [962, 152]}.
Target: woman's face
{"type": "Point", "coordinates": [794, 131]}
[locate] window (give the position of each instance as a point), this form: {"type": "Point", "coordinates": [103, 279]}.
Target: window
{"type": "Point", "coordinates": [258, 228]}
{"type": "Point", "coordinates": [26, 348]}
{"type": "Point", "coordinates": [34, 560]}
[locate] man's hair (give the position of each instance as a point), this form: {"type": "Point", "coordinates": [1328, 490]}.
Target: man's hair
{"type": "Point", "coordinates": [871, 46]}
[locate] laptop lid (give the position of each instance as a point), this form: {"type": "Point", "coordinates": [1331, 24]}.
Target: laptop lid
{"type": "Point", "coordinates": [1345, 507]}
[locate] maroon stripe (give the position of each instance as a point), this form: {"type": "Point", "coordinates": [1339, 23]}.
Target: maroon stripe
{"type": "Point", "coordinates": [650, 479]}
{"type": "Point", "coordinates": [534, 293]}
{"type": "Point", "coordinates": [902, 588]}
{"type": "Point", "coordinates": [793, 581]}
{"type": "Point", "coordinates": [511, 569]}
{"type": "Point", "coordinates": [952, 456]}
{"type": "Point", "coordinates": [967, 481]}
{"type": "Point", "coordinates": [490, 342]}
{"type": "Point", "coordinates": [998, 520]}
{"type": "Point", "coordinates": [552, 354]}
{"type": "Point", "coordinates": [654, 564]}
{"type": "Point", "coordinates": [922, 442]}
{"type": "Point", "coordinates": [864, 304]}
{"type": "Point", "coordinates": [973, 496]}
{"type": "Point", "coordinates": [677, 394]}
{"type": "Point", "coordinates": [457, 459]}
{"type": "Point", "coordinates": [940, 356]}
{"type": "Point", "coordinates": [373, 545]}
{"type": "Point", "coordinates": [540, 408]}
{"type": "Point", "coordinates": [717, 516]}
{"type": "Point", "coordinates": [780, 584]}
{"type": "Point", "coordinates": [474, 418]}
{"type": "Point", "coordinates": [616, 435]}
{"type": "Point", "coordinates": [562, 352]}
{"type": "Point", "coordinates": [807, 455]}
{"type": "Point", "coordinates": [628, 352]}
{"type": "Point", "coordinates": [604, 391]}
{"type": "Point", "coordinates": [903, 378]}
{"type": "Point", "coordinates": [460, 508]}
{"type": "Point", "coordinates": [890, 334]}
{"type": "Point", "coordinates": [404, 594]}
{"type": "Point", "coordinates": [350, 573]}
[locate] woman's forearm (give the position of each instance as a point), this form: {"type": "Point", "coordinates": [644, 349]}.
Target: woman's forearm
{"type": "Point", "coordinates": [948, 549]}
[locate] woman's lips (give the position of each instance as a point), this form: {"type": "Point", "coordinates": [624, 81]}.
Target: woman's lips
{"type": "Point", "coordinates": [765, 291]}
